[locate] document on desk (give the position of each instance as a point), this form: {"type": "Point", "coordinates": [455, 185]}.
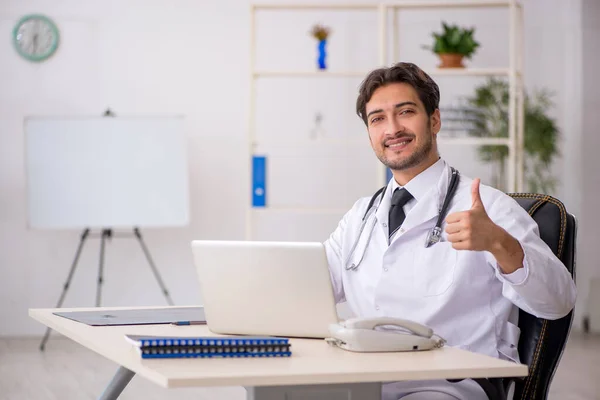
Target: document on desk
{"type": "Point", "coordinates": [147, 316]}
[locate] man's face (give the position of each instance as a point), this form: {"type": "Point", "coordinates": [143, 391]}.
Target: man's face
{"type": "Point", "coordinates": [401, 133]}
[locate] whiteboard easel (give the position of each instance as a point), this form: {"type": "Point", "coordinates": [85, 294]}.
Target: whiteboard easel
{"type": "Point", "coordinates": [106, 172]}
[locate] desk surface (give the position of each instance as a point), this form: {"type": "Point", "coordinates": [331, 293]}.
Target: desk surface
{"type": "Point", "coordinates": [313, 361]}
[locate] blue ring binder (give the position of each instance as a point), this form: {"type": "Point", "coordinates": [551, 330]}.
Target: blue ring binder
{"type": "Point", "coordinates": [259, 181]}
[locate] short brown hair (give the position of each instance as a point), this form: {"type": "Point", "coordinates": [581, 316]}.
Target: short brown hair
{"type": "Point", "coordinates": [402, 72]}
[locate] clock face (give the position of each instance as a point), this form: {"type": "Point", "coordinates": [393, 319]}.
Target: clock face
{"type": "Point", "coordinates": [35, 37]}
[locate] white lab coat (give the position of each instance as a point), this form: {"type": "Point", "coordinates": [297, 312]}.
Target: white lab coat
{"type": "Point", "coordinates": [462, 295]}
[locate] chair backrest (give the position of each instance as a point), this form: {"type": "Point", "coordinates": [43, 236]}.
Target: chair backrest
{"type": "Point", "coordinates": [542, 341]}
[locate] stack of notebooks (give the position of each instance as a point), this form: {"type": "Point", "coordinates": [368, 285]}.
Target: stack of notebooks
{"type": "Point", "coordinates": [208, 347]}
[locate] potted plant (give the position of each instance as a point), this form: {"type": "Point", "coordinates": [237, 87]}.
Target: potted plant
{"type": "Point", "coordinates": [453, 44]}
{"type": "Point", "coordinates": [490, 109]}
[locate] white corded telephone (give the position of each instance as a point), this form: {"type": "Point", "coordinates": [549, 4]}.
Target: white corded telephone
{"type": "Point", "coordinates": [360, 335]}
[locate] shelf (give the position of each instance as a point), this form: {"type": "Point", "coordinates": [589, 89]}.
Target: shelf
{"type": "Point", "coordinates": [316, 6]}
{"type": "Point", "coordinates": [312, 210]}
{"type": "Point", "coordinates": [403, 4]}
{"type": "Point", "coordinates": [309, 143]}
{"type": "Point", "coordinates": [364, 142]}
{"type": "Point", "coordinates": [308, 73]}
{"type": "Point", "coordinates": [473, 141]}
{"type": "Point", "coordinates": [452, 4]}
{"type": "Point", "coordinates": [363, 74]}
{"type": "Point", "coordinates": [353, 73]}
{"type": "Point", "coordinates": [468, 71]}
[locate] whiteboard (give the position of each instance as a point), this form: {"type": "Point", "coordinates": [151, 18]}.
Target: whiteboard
{"type": "Point", "coordinates": [106, 172]}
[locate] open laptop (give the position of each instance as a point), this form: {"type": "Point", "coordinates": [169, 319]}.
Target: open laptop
{"type": "Point", "coordinates": [265, 288]}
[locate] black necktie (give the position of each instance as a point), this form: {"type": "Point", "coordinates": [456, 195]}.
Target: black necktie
{"type": "Point", "coordinates": [396, 217]}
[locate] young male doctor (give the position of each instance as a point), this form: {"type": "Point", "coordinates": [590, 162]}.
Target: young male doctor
{"type": "Point", "coordinates": [468, 286]}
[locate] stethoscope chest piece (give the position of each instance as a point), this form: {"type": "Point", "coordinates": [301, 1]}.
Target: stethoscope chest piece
{"type": "Point", "coordinates": [433, 236]}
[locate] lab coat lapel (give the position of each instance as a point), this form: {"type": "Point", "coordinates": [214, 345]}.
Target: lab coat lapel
{"type": "Point", "coordinates": [382, 213]}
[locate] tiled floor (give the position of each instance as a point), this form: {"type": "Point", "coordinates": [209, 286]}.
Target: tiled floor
{"type": "Point", "coordinates": [68, 371]}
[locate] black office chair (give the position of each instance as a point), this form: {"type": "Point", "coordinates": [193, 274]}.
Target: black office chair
{"type": "Point", "coordinates": [542, 342]}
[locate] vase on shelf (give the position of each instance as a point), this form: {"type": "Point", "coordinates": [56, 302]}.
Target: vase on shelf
{"type": "Point", "coordinates": [322, 60]}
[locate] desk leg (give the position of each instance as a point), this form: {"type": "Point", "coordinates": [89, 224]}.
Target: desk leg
{"type": "Point", "coordinates": [117, 384]}
{"type": "Point", "coordinates": [349, 391]}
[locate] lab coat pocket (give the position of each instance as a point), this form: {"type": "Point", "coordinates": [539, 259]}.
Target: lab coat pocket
{"type": "Point", "coordinates": [508, 342]}
{"type": "Point", "coordinates": [434, 268]}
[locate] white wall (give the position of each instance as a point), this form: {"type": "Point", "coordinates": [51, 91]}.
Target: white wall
{"type": "Point", "coordinates": [136, 57]}
{"type": "Point", "coordinates": [588, 263]}
{"type": "Point", "coordinates": [190, 57]}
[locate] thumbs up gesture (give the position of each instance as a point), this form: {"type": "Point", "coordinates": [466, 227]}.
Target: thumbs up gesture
{"type": "Point", "coordinates": [472, 229]}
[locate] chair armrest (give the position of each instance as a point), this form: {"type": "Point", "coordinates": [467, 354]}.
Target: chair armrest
{"type": "Point", "coordinates": [493, 387]}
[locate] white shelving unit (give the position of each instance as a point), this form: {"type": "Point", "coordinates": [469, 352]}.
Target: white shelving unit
{"type": "Point", "coordinates": [514, 73]}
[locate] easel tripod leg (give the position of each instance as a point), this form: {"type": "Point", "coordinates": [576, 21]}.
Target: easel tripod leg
{"type": "Point", "coordinates": [84, 236]}
{"type": "Point", "coordinates": [138, 234]}
{"type": "Point", "coordinates": [106, 233]}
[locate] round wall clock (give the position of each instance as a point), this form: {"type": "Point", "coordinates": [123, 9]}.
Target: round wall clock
{"type": "Point", "coordinates": [35, 37]}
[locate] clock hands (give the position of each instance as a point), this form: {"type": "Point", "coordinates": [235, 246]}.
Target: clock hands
{"type": "Point", "coordinates": [35, 43]}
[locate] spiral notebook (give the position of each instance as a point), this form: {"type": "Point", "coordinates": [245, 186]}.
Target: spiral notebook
{"type": "Point", "coordinates": [209, 347]}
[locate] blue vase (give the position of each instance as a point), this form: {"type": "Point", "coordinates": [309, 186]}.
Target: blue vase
{"type": "Point", "coordinates": [322, 54]}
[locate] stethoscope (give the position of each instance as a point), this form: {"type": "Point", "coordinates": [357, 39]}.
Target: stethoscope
{"type": "Point", "coordinates": [433, 236]}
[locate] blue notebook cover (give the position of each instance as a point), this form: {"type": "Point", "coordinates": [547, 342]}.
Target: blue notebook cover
{"type": "Point", "coordinates": [209, 347]}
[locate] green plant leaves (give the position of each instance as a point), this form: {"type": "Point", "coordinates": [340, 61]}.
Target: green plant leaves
{"type": "Point", "coordinates": [490, 104]}
{"type": "Point", "coordinates": [454, 39]}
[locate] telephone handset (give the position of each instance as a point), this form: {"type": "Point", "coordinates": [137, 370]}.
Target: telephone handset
{"type": "Point", "coordinates": [360, 335]}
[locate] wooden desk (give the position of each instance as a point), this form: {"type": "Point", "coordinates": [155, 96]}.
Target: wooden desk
{"type": "Point", "coordinates": [314, 365]}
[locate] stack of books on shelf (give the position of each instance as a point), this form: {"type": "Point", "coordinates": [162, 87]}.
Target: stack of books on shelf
{"type": "Point", "coordinates": [209, 347]}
